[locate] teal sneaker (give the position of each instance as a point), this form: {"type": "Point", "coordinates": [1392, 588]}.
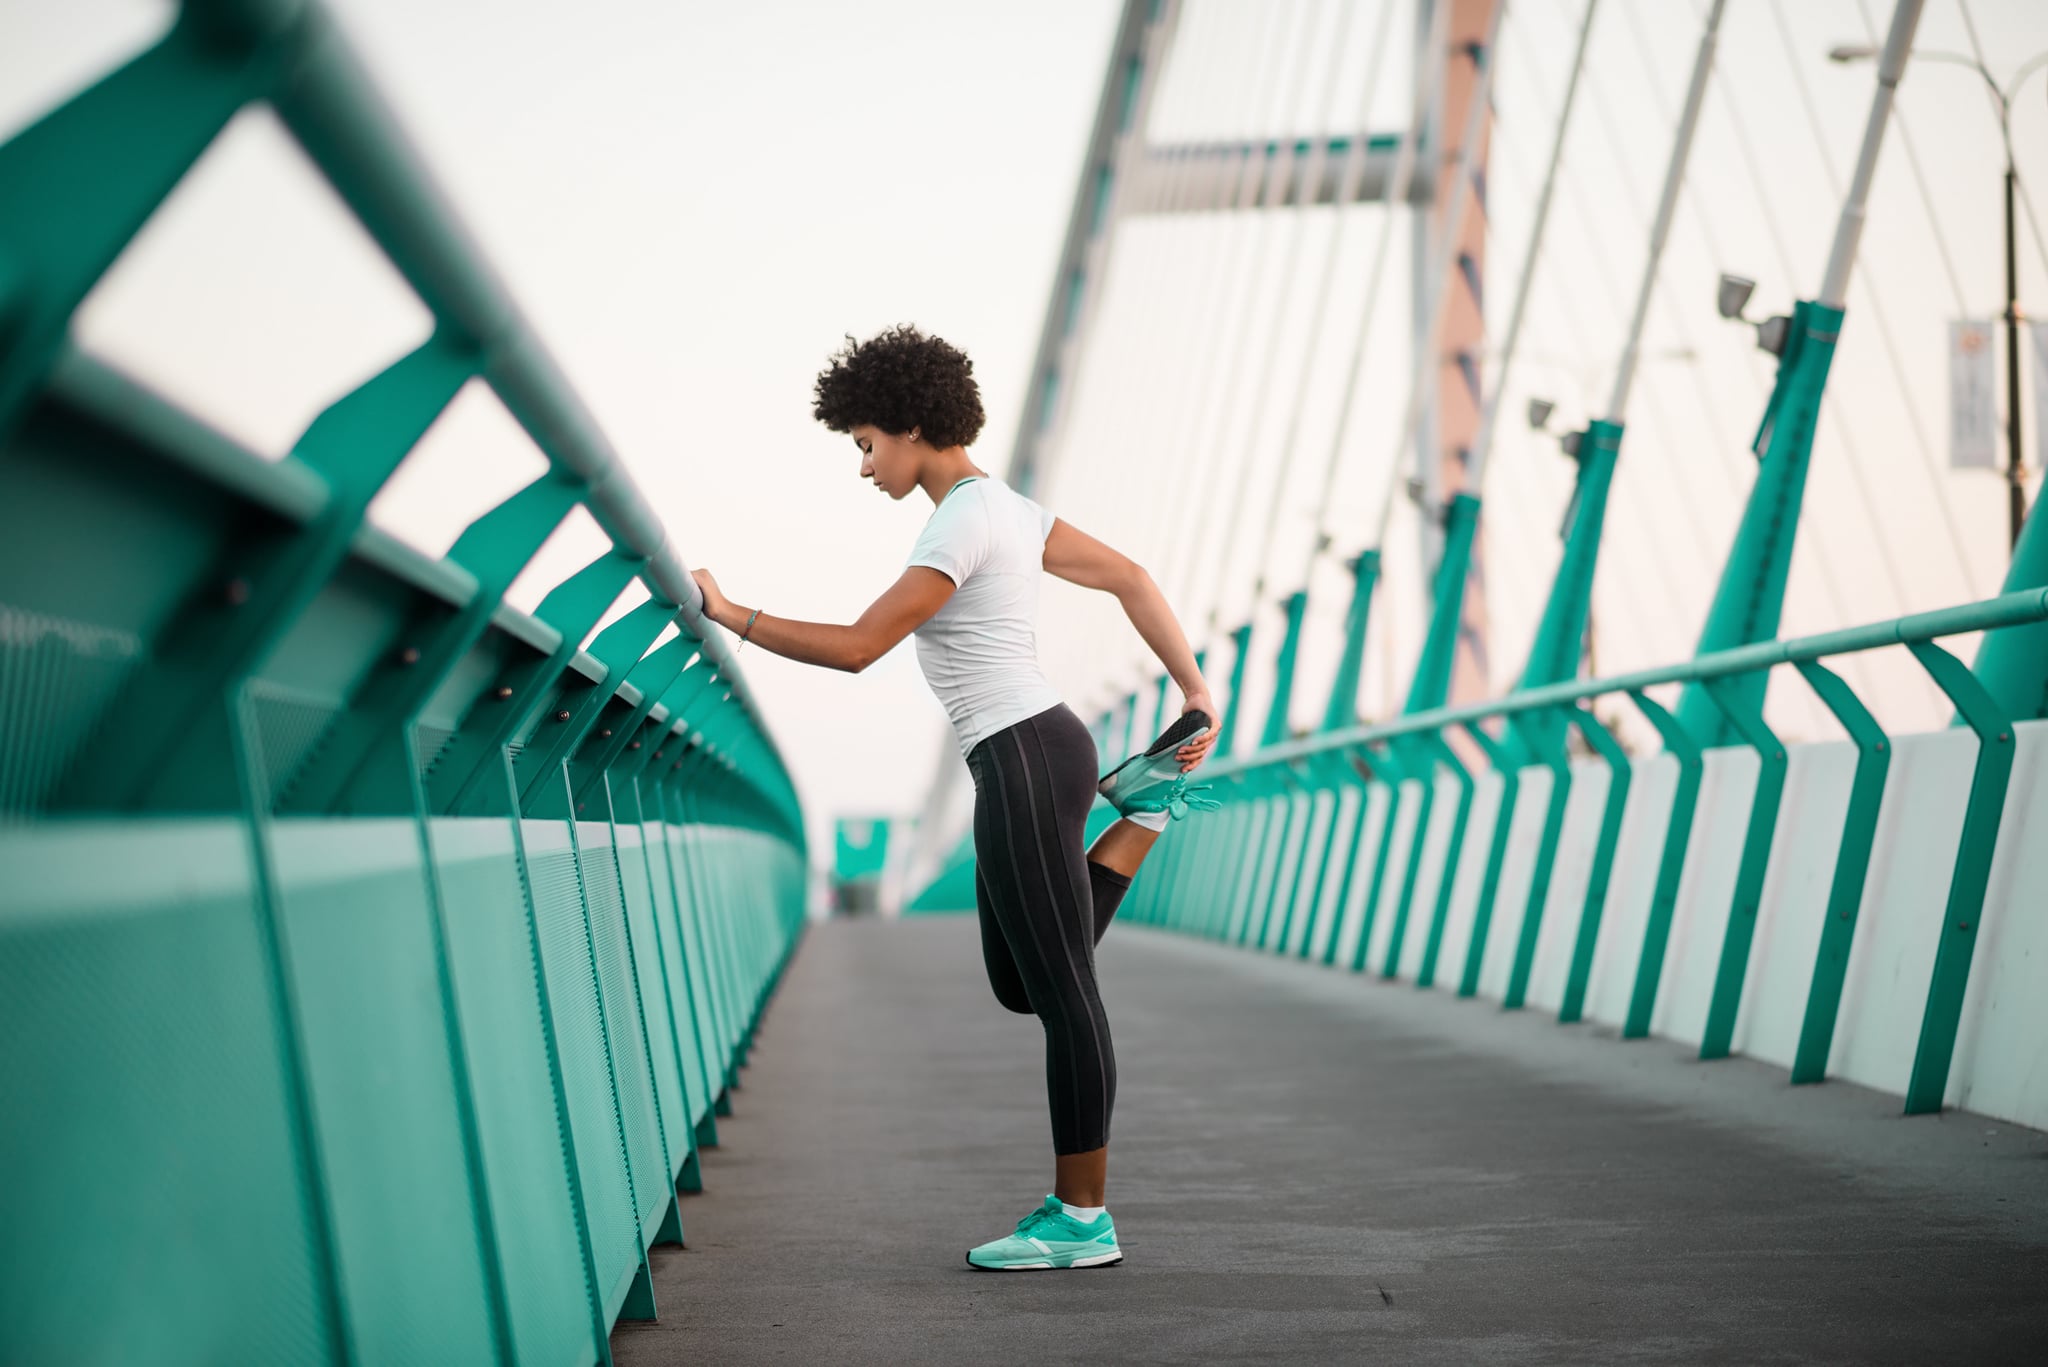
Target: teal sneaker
{"type": "Point", "coordinates": [1153, 781]}
{"type": "Point", "coordinates": [1050, 1238]}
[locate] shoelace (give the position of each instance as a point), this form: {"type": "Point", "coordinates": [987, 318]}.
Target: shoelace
{"type": "Point", "coordinates": [1181, 798]}
{"type": "Point", "coordinates": [1032, 1221]}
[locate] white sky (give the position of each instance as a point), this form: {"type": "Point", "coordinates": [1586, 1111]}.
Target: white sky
{"type": "Point", "coordinates": [692, 202]}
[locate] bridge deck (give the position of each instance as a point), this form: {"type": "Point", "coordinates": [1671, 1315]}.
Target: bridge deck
{"type": "Point", "coordinates": [1309, 1167]}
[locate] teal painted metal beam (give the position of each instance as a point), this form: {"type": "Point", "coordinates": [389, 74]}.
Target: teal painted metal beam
{"type": "Point", "coordinates": [1682, 746]}
{"type": "Point", "coordinates": [1975, 849]}
{"type": "Point", "coordinates": [1241, 646]}
{"type": "Point", "coordinates": [1509, 768]}
{"type": "Point", "coordinates": [1750, 601]}
{"type": "Point", "coordinates": [1392, 769]}
{"type": "Point", "coordinates": [1432, 681]}
{"type": "Point", "coordinates": [1620, 775]}
{"type": "Point", "coordinates": [1990, 614]}
{"type": "Point", "coordinates": [2012, 665]}
{"type": "Point", "coordinates": [1733, 967]}
{"type": "Point", "coordinates": [1454, 846]}
{"type": "Point", "coordinates": [1426, 691]}
{"type": "Point", "coordinates": [1852, 868]}
{"type": "Point", "coordinates": [1283, 670]}
{"type": "Point", "coordinates": [1342, 709]}
{"type": "Point", "coordinates": [1552, 755]}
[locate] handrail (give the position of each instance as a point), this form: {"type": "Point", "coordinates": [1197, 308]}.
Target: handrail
{"type": "Point", "coordinates": [2011, 609]}
{"type": "Point", "coordinates": [332, 107]}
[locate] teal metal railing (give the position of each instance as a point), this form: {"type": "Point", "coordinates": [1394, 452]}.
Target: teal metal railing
{"type": "Point", "coordinates": [1225, 876]}
{"type": "Point", "coordinates": [374, 961]}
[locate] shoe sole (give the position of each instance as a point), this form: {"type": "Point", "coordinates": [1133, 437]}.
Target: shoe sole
{"type": "Point", "coordinates": [1100, 1260]}
{"type": "Point", "coordinates": [1187, 727]}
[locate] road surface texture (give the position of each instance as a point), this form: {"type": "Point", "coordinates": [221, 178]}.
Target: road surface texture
{"type": "Point", "coordinates": [1314, 1167]}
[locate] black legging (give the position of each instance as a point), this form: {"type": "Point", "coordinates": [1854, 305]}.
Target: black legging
{"type": "Point", "coordinates": [1044, 905]}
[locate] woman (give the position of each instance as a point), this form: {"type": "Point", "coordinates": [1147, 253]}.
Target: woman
{"type": "Point", "coordinates": [969, 592]}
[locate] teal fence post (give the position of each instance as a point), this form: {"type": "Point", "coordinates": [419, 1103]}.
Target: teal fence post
{"type": "Point", "coordinates": [571, 608]}
{"type": "Point", "coordinates": [1289, 788]}
{"type": "Point", "coordinates": [1755, 863]}
{"type": "Point", "coordinates": [1547, 741]}
{"type": "Point", "coordinates": [1425, 973]}
{"type": "Point", "coordinates": [1505, 764]}
{"type": "Point", "coordinates": [1392, 771]}
{"type": "Point", "coordinates": [1431, 685]}
{"type": "Point", "coordinates": [1981, 816]}
{"type": "Point", "coordinates": [1283, 671]}
{"type": "Point", "coordinates": [1244, 887]}
{"type": "Point", "coordinates": [1680, 744]}
{"type": "Point", "coordinates": [1226, 737]}
{"type": "Point", "coordinates": [1852, 867]}
{"type": "Point", "coordinates": [1619, 776]}
{"type": "Point", "coordinates": [1335, 777]}
{"type": "Point", "coordinates": [1322, 779]}
{"type": "Point", "coordinates": [1342, 709]}
{"type": "Point", "coordinates": [1420, 763]}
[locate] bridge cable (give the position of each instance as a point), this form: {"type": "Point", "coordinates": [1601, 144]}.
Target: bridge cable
{"type": "Point", "coordinates": [1134, 275]}
{"type": "Point", "coordinates": [1269, 50]}
{"type": "Point", "coordinates": [1217, 432]}
{"type": "Point", "coordinates": [1400, 178]}
{"type": "Point", "coordinates": [1891, 347]}
{"type": "Point", "coordinates": [1307, 173]}
{"type": "Point", "coordinates": [1202, 401]}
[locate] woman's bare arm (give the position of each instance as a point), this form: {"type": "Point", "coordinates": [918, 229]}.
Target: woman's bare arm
{"type": "Point", "coordinates": [905, 607]}
{"type": "Point", "coordinates": [1078, 558]}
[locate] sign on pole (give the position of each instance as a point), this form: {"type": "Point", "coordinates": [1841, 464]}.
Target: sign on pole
{"type": "Point", "coordinates": [1972, 396]}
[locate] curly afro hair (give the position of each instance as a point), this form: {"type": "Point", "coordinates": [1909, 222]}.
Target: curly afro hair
{"type": "Point", "coordinates": [900, 379]}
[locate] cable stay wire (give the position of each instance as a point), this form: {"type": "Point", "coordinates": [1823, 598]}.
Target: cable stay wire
{"type": "Point", "coordinates": [1308, 174]}
{"type": "Point", "coordinates": [1124, 378]}
{"type": "Point", "coordinates": [1191, 401]}
{"type": "Point", "coordinates": [1567, 304]}
{"type": "Point", "coordinates": [1532, 257]}
{"type": "Point", "coordinates": [1268, 46]}
{"type": "Point", "coordinates": [1400, 187]}
{"type": "Point", "coordinates": [1900, 377]}
{"type": "Point", "coordinates": [1281, 185]}
{"type": "Point", "coordinates": [1297, 181]}
{"type": "Point", "coordinates": [1353, 172]}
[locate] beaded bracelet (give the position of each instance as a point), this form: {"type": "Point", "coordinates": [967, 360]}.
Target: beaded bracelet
{"type": "Point", "coordinates": [750, 626]}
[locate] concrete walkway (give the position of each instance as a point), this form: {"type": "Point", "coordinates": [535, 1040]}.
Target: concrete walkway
{"type": "Point", "coordinates": [1309, 1167]}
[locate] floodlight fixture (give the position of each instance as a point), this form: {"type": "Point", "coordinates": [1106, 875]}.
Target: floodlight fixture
{"type": "Point", "coordinates": [1772, 332]}
{"type": "Point", "coordinates": [1734, 294]}
{"type": "Point", "coordinates": [1539, 413]}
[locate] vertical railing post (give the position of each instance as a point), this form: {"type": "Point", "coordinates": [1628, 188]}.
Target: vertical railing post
{"type": "Point", "coordinates": [1982, 813]}
{"type": "Point", "coordinates": [1852, 868]}
{"type": "Point", "coordinates": [1681, 745]}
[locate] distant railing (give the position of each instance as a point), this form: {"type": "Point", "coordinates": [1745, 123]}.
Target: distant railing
{"type": "Point", "coordinates": [1258, 872]}
{"type": "Point", "coordinates": [373, 959]}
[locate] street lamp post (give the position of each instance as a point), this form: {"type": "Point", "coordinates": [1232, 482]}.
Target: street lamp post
{"type": "Point", "coordinates": [2015, 465]}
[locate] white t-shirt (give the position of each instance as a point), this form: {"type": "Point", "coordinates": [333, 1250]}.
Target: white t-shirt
{"type": "Point", "coordinates": [979, 652]}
